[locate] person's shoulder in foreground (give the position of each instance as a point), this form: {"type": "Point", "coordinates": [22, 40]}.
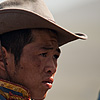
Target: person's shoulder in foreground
{"type": "Point", "coordinates": [29, 49]}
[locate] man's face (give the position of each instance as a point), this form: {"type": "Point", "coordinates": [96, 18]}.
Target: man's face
{"type": "Point", "coordinates": [38, 63]}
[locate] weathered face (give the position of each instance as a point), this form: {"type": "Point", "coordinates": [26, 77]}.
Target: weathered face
{"type": "Point", "coordinates": [38, 64]}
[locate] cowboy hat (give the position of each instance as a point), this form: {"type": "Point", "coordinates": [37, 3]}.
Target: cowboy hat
{"type": "Point", "coordinates": [22, 14]}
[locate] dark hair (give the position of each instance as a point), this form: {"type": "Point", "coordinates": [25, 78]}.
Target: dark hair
{"type": "Point", "coordinates": [14, 41]}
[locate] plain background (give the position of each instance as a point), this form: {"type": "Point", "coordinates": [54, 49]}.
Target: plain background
{"type": "Point", "coordinates": [78, 74]}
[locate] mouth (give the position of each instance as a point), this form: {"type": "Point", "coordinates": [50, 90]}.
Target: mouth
{"type": "Point", "coordinates": [48, 82]}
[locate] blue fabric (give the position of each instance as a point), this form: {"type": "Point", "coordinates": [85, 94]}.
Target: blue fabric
{"type": "Point", "coordinates": [8, 90]}
{"type": "Point", "coordinates": [2, 98]}
{"type": "Point", "coordinates": [99, 96]}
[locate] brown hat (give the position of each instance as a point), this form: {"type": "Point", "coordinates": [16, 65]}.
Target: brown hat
{"type": "Point", "coordinates": [22, 14]}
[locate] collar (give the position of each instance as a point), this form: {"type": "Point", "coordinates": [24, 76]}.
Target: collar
{"type": "Point", "coordinates": [12, 91]}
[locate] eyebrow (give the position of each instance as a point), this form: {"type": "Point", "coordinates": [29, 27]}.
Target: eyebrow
{"type": "Point", "coordinates": [51, 48]}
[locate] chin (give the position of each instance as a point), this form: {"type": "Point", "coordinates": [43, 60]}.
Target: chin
{"type": "Point", "coordinates": [39, 96]}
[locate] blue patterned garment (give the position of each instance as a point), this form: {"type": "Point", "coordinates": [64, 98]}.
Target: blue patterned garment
{"type": "Point", "coordinates": [10, 91]}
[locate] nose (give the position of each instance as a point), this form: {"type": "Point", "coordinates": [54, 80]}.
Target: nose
{"type": "Point", "coordinates": [50, 67]}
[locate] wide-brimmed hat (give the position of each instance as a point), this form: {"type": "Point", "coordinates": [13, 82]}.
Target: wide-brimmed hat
{"type": "Point", "coordinates": [22, 14]}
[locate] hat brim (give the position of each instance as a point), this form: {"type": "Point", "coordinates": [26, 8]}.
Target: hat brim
{"type": "Point", "coordinates": [14, 19]}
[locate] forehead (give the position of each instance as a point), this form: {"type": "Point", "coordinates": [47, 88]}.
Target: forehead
{"type": "Point", "coordinates": [45, 36]}
{"type": "Point", "coordinates": [44, 32]}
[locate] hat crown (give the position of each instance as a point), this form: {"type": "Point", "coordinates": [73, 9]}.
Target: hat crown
{"type": "Point", "coordinates": [36, 6]}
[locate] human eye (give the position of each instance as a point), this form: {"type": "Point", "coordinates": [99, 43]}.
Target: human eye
{"type": "Point", "coordinates": [43, 54]}
{"type": "Point", "coordinates": [56, 56]}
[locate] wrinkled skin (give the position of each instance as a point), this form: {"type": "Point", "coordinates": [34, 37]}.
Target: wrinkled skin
{"type": "Point", "coordinates": [37, 65]}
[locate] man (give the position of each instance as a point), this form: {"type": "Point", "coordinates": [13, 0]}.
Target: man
{"type": "Point", "coordinates": [29, 49]}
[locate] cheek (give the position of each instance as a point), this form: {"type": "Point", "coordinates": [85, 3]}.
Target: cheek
{"type": "Point", "coordinates": [35, 61]}
{"type": "Point", "coordinates": [29, 66]}
{"type": "Point", "coordinates": [35, 64]}
{"type": "Point", "coordinates": [32, 63]}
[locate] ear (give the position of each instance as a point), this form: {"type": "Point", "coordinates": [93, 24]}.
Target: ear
{"type": "Point", "coordinates": [3, 58]}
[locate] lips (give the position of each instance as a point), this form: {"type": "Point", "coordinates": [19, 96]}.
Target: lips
{"type": "Point", "coordinates": [48, 82]}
